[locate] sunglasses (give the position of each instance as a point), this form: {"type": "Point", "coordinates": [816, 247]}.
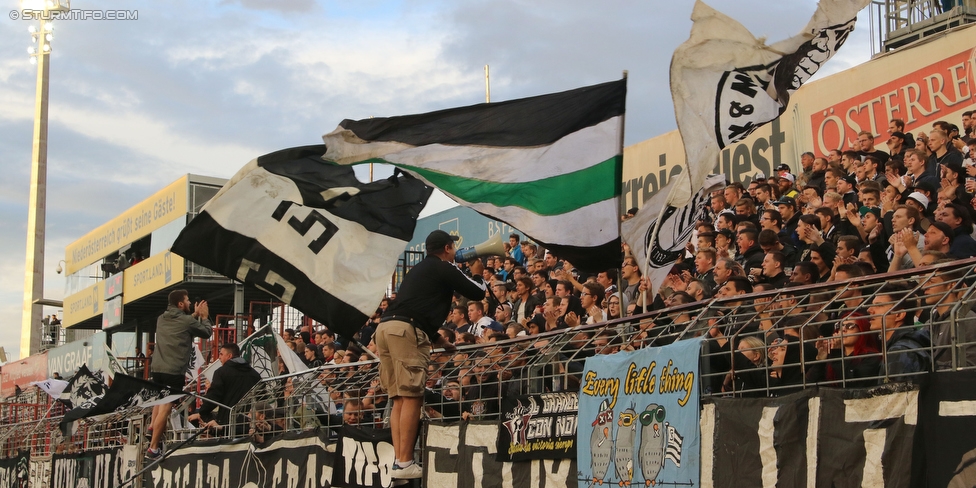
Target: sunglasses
{"type": "Point", "coordinates": [846, 327]}
{"type": "Point", "coordinates": [648, 417]}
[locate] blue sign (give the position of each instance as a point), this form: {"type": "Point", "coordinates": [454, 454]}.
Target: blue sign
{"type": "Point", "coordinates": [638, 417]}
{"type": "Point", "coordinates": [471, 226]}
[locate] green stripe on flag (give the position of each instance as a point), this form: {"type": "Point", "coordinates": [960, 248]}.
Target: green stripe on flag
{"type": "Point", "coordinates": [550, 196]}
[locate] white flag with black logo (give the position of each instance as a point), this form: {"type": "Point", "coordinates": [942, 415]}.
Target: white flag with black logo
{"type": "Point", "coordinates": [726, 83]}
{"type": "Point", "coordinates": [308, 232]}
{"type": "Point", "coordinates": [657, 247]}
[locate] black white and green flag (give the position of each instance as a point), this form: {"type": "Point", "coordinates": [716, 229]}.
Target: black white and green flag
{"type": "Point", "coordinates": [548, 165]}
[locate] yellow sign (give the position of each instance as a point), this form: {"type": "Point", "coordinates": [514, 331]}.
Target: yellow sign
{"type": "Point", "coordinates": [152, 213]}
{"type": "Point", "coordinates": [151, 275]}
{"type": "Point", "coordinates": [84, 305]}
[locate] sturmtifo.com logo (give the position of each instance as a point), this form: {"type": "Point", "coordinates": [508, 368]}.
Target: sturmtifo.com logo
{"type": "Point", "coordinates": [74, 14]}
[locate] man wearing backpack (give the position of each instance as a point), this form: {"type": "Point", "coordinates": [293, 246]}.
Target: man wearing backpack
{"type": "Point", "coordinates": [907, 348]}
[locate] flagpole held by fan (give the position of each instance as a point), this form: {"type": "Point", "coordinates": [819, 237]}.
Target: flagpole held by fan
{"type": "Point", "coordinates": [162, 457]}
{"type": "Point", "coordinates": [620, 277]}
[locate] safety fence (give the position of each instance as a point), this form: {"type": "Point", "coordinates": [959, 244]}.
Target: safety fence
{"type": "Point", "coordinates": [763, 344]}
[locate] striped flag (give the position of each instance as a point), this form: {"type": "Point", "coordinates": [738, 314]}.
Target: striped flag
{"type": "Point", "coordinates": [550, 165]}
{"type": "Point", "coordinates": [673, 452]}
{"type": "Point", "coordinates": [308, 232]}
{"type": "Point", "coordinates": [726, 83]}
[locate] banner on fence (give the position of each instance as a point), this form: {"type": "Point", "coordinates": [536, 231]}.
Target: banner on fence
{"type": "Point", "coordinates": [292, 460]}
{"type": "Point", "coordinates": [465, 455]}
{"type": "Point", "coordinates": [946, 455]}
{"type": "Point", "coordinates": [539, 426]}
{"type": "Point", "coordinates": [40, 472]}
{"type": "Point", "coordinates": [815, 437]}
{"type": "Point", "coordinates": [14, 471]}
{"type": "Point", "coordinates": [638, 416]}
{"type": "Point", "coordinates": [101, 468]}
{"type": "Point", "coordinates": [364, 458]}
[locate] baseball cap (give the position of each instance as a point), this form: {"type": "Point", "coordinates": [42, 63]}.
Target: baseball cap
{"type": "Point", "coordinates": [898, 134]}
{"type": "Point", "coordinates": [438, 239]}
{"type": "Point", "coordinates": [918, 197]}
{"type": "Point", "coordinates": [926, 186]}
{"type": "Point", "coordinates": [790, 177]}
{"type": "Point", "coordinates": [727, 233]}
{"type": "Point", "coordinates": [786, 201]}
{"type": "Point", "coordinates": [850, 179]}
{"type": "Point", "coordinates": [875, 210]}
{"type": "Point", "coordinates": [783, 167]}
{"type": "Point", "coordinates": [827, 250]}
{"type": "Point", "coordinates": [955, 166]}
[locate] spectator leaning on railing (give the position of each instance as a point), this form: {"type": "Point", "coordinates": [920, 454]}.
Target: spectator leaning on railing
{"type": "Point", "coordinates": [943, 293]}
{"type": "Point", "coordinates": [905, 346]}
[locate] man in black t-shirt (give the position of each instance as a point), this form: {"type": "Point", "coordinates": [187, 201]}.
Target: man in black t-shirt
{"type": "Point", "coordinates": [403, 344]}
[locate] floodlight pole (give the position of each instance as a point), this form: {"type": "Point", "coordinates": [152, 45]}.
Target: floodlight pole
{"type": "Point", "coordinates": [30, 337]}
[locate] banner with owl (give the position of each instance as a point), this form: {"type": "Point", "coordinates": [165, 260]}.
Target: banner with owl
{"type": "Point", "coordinates": [638, 418]}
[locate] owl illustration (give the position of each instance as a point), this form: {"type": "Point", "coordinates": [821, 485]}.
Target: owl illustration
{"type": "Point", "coordinates": [623, 458]}
{"type": "Point", "coordinates": [652, 443]}
{"type": "Point", "coordinates": [601, 443]}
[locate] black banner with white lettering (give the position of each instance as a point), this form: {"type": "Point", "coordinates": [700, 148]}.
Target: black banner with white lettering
{"type": "Point", "coordinates": [821, 438]}
{"type": "Point", "coordinates": [294, 459]}
{"type": "Point", "coordinates": [14, 471]}
{"type": "Point", "coordinates": [945, 447]}
{"type": "Point", "coordinates": [465, 455]}
{"type": "Point", "coordinates": [95, 469]}
{"type": "Point", "coordinates": [758, 439]}
{"type": "Point", "coordinates": [538, 427]}
{"type": "Point", "coordinates": [866, 436]}
{"type": "Point", "coordinates": [364, 457]}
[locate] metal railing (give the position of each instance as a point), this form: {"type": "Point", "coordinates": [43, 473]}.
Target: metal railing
{"type": "Point", "coordinates": [831, 334]}
{"type": "Point", "coordinates": [895, 23]}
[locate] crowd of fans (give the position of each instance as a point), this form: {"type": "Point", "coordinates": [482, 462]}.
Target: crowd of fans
{"type": "Point", "coordinates": [852, 214]}
{"type": "Point", "coordinates": [757, 257]}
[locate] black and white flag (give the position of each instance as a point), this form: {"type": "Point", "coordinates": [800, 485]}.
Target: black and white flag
{"type": "Point", "coordinates": [83, 389]}
{"type": "Point", "coordinates": [726, 83]}
{"type": "Point", "coordinates": [308, 232]}
{"type": "Point", "coordinates": [126, 392]}
{"type": "Point", "coordinates": [656, 247]}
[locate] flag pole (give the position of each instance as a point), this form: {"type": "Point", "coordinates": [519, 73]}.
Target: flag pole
{"type": "Point", "coordinates": [163, 456]}
{"type": "Point", "coordinates": [38, 425]}
{"type": "Point", "coordinates": [620, 147]}
{"type": "Point", "coordinates": [487, 85]}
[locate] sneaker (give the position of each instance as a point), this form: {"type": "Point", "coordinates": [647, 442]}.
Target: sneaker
{"type": "Point", "coordinates": [412, 472]}
{"type": "Point", "coordinates": [153, 453]}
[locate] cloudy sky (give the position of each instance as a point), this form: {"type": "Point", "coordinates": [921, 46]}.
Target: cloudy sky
{"type": "Point", "coordinates": [203, 87]}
